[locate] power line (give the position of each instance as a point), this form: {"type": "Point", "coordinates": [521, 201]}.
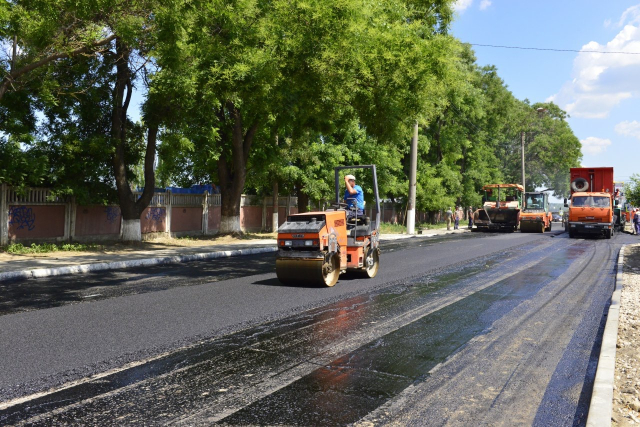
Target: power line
{"type": "Point", "coordinates": [552, 50]}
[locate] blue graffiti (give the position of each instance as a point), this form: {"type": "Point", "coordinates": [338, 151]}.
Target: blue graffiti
{"type": "Point", "coordinates": [23, 217]}
{"type": "Point", "coordinates": [155, 214]}
{"type": "Point", "coordinates": [112, 213]}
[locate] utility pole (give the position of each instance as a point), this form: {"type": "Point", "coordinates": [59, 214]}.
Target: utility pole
{"type": "Point", "coordinates": [411, 205]}
{"type": "Point", "coordinates": [276, 203]}
{"type": "Point", "coordinates": [522, 135]}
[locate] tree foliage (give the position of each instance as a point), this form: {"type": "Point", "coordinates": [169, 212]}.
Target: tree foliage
{"type": "Point", "coordinates": [632, 190]}
{"type": "Point", "coordinates": [255, 95]}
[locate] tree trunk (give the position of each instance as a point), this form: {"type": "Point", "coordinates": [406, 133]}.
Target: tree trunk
{"type": "Point", "coordinates": [130, 207]}
{"type": "Point", "coordinates": [303, 201]}
{"type": "Point", "coordinates": [232, 171]}
{"type": "Point", "coordinates": [439, 155]}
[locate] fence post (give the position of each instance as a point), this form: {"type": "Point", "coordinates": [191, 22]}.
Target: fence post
{"type": "Point", "coordinates": [205, 213]}
{"type": "Point", "coordinates": [167, 207]}
{"type": "Point", "coordinates": [264, 214]}
{"type": "Point", "coordinates": [70, 220]}
{"type": "Point", "coordinates": [4, 216]}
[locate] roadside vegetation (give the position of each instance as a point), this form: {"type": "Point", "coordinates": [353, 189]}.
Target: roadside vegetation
{"type": "Point", "coordinates": [389, 228]}
{"type": "Point", "coordinates": [19, 249]}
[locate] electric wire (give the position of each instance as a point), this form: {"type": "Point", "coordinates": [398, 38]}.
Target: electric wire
{"type": "Point", "coordinates": [552, 49]}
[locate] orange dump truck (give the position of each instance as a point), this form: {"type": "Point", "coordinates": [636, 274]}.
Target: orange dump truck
{"type": "Point", "coordinates": [592, 202]}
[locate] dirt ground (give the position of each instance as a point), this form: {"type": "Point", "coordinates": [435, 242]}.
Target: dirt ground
{"type": "Point", "coordinates": [626, 391]}
{"type": "Point", "coordinates": [153, 244]}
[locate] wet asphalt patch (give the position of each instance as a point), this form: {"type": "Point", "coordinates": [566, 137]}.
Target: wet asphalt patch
{"type": "Point", "coordinates": [198, 379]}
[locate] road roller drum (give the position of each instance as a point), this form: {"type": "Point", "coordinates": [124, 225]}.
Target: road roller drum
{"type": "Point", "coordinates": [312, 272]}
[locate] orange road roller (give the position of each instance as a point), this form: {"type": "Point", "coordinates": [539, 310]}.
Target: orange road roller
{"type": "Point", "coordinates": [314, 248]}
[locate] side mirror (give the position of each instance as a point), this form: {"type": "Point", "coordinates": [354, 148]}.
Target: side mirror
{"type": "Point", "coordinates": [566, 205]}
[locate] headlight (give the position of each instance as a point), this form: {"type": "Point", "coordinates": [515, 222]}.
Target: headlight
{"type": "Point", "coordinates": [288, 242]}
{"type": "Point", "coordinates": [308, 242]}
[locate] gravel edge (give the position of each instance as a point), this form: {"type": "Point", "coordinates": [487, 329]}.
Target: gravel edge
{"type": "Point", "coordinates": [601, 406]}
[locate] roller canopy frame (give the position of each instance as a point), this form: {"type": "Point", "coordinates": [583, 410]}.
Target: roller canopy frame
{"type": "Point", "coordinates": [375, 186]}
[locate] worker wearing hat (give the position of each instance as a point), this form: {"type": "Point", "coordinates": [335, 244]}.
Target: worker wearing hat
{"type": "Point", "coordinates": [353, 197]}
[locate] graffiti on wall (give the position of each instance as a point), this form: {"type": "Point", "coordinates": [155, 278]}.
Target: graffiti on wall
{"type": "Point", "coordinates": [113, 214]}
{"type": "Point", "coordinates": [23, 217]}
{"type": "Point", "coordinates": [155, 214]}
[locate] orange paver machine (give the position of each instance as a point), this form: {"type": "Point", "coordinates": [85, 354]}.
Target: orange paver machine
{"type": "Point", "coordinates": [501, 205]}
{"type": "Point", "coordinates": [316, 247]}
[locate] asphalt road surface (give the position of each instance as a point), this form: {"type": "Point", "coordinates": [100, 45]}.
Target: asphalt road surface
{"type": "Point", "coordinates": [489, 329]}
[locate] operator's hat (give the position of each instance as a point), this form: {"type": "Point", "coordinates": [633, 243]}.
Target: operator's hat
{"type": "Point", "coordinates": [351, 177]}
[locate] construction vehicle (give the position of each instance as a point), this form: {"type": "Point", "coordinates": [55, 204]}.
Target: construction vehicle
{"type": "Point", "coordinates": [500, 209]}
{"type": "Point", "coordinates": [621, 218]}
{"type": "Point", "coordinates": [536, 217]}
{"type": "Point", "coordinates": [592, 202]}
{"type": "Point", "coordinates": [314, 248]}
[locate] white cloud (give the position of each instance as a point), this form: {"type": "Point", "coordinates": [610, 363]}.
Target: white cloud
{"type": "Point", "coordinates": [593, 145]}
{"type": "Point", "coordinates": [630, 16]}
{"type": "Point", "coordinates": [628, 129]}
{"type": "Point", "coordinates": [601, 81]}
{"type": "Point", "coordinates": [485, 4]}
{"type": "Point", "coordinates": [461, 5]}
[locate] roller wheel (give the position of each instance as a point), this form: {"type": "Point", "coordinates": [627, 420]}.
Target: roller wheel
{"type": "Point", "coordinates": [372, 263]}
{"type": "Point", "coordinates": [331, 270]}
{"type": "Point", "coordinates": [608, 234]}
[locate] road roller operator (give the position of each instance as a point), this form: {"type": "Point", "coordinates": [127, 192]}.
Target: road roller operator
{"type": "Point", "coordinates": [353, 197]}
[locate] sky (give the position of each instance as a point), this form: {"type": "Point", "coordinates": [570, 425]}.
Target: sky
{"type": "Point", "coordinates": [599, 91]}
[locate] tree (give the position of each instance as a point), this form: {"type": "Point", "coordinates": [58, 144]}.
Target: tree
{"type": "Point", "coordinates": [86, 98]}
{"type": "Point", "coordinates": [632, 190]}
{"type": "Point", "coordinates": [263, 65]}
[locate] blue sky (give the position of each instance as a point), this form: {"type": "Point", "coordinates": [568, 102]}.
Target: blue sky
{"type": "Point", "coordinates": [601, 92]}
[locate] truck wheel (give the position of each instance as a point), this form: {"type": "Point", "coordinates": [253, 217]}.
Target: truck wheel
{"type": "Point", "coordinates": [608, 233]}
{"type": "Point", "coordinates": [572, 234]}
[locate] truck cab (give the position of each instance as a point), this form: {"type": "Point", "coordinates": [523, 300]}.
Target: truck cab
{"type": "Point", "coordinates": [592, 202]}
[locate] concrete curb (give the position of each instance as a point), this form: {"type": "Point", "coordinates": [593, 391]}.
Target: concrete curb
{"type": "Point", "coordinates": [86, 268]}
{"type": "Point", "coordinates": [601, 406]}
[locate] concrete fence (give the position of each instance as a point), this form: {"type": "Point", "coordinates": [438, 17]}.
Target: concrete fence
{"type": "Point", "coordinates": [37, 216]}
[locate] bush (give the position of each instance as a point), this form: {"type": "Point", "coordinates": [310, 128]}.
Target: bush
{"type": "Point", "coordinates": [20, 249]}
